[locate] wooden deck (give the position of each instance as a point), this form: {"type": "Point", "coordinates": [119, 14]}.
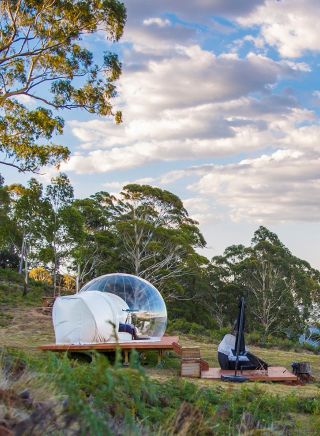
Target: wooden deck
{"type": "Point", "coordinates": [166, 343]}
{"type": "Point", "coordinates": [274, 373]}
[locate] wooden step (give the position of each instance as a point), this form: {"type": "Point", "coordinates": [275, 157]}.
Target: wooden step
{"type": "Point", "coordinates": [204, 365]}
{"type": "Point", "coordinates": [191, 368]}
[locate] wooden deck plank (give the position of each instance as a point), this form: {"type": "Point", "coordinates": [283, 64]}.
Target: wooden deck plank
{"type": "Point", "coordinates": [166, 343]}
{"type": "Point", "coordinates": [274, 373]}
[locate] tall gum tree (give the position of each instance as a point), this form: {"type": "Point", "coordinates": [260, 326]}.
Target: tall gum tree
{"type": "Point", "coordinates": [96, 252]}
{"type": "Point", "coordinates": [9, 233]}
{"type": "Point", "coordinates": [42, 60]}
{"type": "Point", "coordinates": [63, 225]}
{"type": "Point", "coordinates": [280, 289]}
{"type": "Point", "coordinates": [156, 235]}
{"type": "Point", "coordinates": [29, 211]}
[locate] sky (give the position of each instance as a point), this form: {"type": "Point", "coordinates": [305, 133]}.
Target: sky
{"type": "Point", "coordinates": [221, 105]}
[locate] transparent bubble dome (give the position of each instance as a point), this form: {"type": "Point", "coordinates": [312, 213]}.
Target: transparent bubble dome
{"type": "Point", "coordinates": [147, 309]}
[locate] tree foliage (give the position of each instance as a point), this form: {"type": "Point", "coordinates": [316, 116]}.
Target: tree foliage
{"type": "Point", "coordinates": [43, 60]}
{"type": "Point", "coordinates": [144, 231]}
{"type": "Point", "coordinates": [63, 224]}
{"type": "Point", "coordinates": [157, 236]}
{"type": "Point", "coordinates": [279, 288]}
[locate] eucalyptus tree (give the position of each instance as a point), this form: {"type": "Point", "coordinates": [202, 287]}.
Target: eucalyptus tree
{"type": "Point", "coordinates": [144, 231]}
{"type": "Point", "coordinates": [96, 252]}
{"type": "Point", "coordinates": [278, 286]}
{"type": "Point", "coordinates": [4, 212]}
{"type": "Point", "coordinates": [29, 210]}
{"type": "Point", "coordinates": [157, 237]}
{"type": "Point", "coordinates": [45, 60]}
{"type": "Point", "coordinates": [9, 234]}
{"type": "Point", "coordinates": [282, 285]}
{"type": "Point", "coordinates": [225, 285]}
{"type": "Point", "coordinates": [63, 226]}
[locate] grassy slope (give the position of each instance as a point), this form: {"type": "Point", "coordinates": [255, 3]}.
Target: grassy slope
{"type": "Point", "coordinates": [24, 326]}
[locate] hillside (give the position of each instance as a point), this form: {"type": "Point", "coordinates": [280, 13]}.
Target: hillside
{"type": "Point", "coordinates": [23, 327]}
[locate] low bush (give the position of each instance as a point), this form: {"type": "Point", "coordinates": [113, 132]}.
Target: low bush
{"type": "Point", "coordinates": [256, 338]}
{"type": "Point", "coordinates": [181, 326]}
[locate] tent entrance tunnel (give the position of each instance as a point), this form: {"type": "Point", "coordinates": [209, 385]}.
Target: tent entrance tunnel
{"type": "Point", "coordinates": [122, 311]}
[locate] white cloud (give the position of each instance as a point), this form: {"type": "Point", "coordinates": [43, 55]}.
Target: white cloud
{"type": "Point", "coordinates": [291, 26]}
{"type": "Point", "coordinates": [283, 186]}
{"type": "Point", "coordinates": [157, 21]}
{"type": "Point", "coordinates": [26, 100]}
{"type": "Point", "coordinates": [116, 186]}
{"type": "Point", "coordinates": [193, 106]}
{"type": "Point", "coordinates": [141, 153]}
{"type": "Point", "coordinates": [201, 210]}
{"type": "Point", "coordinates": [196, 76]}
{"type": "Point", "coordinates": [46, 174]}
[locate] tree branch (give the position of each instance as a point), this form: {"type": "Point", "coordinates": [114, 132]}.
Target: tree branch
{"type": "Point", "coordinates": [21, 169]}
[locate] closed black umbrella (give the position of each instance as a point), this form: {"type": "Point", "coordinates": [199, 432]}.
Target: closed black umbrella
{"type": "Point", "coordinates": [240, 347]}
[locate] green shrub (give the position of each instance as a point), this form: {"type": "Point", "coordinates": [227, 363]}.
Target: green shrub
{"type": "Point", "coordinates": [180, 325]}
{"type": "Point", "coordinates": [271, 341]}
{"type": "Point", "coordinates": [217, 335]}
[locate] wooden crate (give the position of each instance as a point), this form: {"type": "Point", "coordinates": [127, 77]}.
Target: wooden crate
{"type": "Point", "coordinates": [190, 368]}
{"type": "Point", "coordinates": [190, 353]}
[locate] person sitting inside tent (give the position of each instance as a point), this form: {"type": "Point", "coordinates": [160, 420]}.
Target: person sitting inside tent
{"type": "Point", "coordinates": [128, 328]}
{"type": "Point", "coordinates": [228, 357]}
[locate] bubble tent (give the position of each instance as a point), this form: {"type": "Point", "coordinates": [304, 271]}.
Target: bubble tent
{"type": "Point", "coordinates": [147, 309]}
{"type": "Point", "coordinates": [111, 308]}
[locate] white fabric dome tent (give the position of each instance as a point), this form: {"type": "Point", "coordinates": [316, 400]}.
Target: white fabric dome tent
{"type": "Point", "coordinates": [89, 317]}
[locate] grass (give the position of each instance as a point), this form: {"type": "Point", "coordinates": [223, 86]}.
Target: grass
{"type": "Point", "coordinates": [22, 323]}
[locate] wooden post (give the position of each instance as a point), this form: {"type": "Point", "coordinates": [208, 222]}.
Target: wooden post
{"type": "Point", "coordinates": [126, 358]}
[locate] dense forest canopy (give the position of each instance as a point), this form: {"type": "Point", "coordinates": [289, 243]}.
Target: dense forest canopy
{"type": "Point", "coordinates": [48, 234]}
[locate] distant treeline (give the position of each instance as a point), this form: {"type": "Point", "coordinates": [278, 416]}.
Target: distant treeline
{"type": "Point", "coordinates": [146, 231]}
